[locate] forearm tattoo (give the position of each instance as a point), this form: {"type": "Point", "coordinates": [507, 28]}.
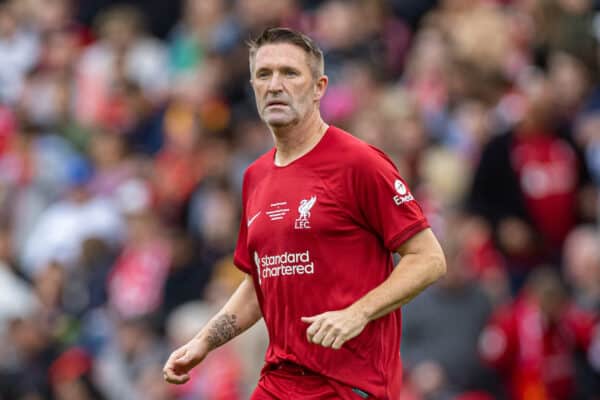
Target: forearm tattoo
{"type": "Point", "coordinates": [223, 330]}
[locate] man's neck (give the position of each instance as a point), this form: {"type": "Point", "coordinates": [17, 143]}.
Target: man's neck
{"type": "Point", "coordinates": [295, 141]}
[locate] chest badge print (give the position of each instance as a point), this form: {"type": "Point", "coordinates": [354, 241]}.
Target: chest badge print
{"type": "Point", "coordinates": [303, 220]}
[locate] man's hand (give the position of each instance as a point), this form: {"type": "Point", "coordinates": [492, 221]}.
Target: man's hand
{"type": "Point", "coordinates": [334, 328]}
{"type": "Point", "coordinates": [183, 360]}
{"type": "Point", "coordinates": [238, 314]}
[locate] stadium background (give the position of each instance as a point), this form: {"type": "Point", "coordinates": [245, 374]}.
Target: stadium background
{"type": "Point", "coordinates": [125, 129]}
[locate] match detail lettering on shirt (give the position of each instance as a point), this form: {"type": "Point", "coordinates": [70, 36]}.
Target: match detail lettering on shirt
{"type": "Point", "coordinates": [277, 211]}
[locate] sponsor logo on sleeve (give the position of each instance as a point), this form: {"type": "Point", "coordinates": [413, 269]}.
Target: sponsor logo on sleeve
{"type": "Point", "coordinates": [403, 196]}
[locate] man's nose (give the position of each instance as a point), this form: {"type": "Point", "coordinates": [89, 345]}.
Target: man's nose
{"type": "Point", "coordinates": [275, 83]}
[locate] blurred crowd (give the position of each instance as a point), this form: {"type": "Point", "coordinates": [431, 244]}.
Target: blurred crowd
{"type": "Point", "coordinates": [124, 134]}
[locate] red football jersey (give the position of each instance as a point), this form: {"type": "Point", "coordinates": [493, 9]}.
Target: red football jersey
{"type": "Point", "coordinates": [317, 235]}
{"type": "Point", "coordinates": [547, 171]}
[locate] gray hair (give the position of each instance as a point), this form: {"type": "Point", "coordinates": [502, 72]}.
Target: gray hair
{"type": "Point", "coordinates": [286, 35]}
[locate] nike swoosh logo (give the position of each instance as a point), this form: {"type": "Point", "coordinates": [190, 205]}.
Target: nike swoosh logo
{"type": "Point", "coordinates": [251, 220]}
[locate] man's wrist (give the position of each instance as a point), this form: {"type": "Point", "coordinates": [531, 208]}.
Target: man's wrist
{"type": "Point", "coordinates": [362, 311]}
{"type": "Point", "coordinates": [201, 340]}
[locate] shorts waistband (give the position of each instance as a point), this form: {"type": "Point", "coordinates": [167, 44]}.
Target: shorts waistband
{"type": "Point", "coordinates": [292, 367]}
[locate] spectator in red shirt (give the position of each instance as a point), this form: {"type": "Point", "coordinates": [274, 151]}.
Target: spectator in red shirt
{"type": "Point", "coordinates": [532, 342]}
{"type": "Point", "coordinates": [528, 182]}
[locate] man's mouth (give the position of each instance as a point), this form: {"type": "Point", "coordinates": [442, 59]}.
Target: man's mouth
{"type": "Point", "coordinates": [276, 103]}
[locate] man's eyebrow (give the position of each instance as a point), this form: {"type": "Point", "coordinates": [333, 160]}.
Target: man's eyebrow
{"type": "Point", "coordinates": [262, 69]}
{"type": "Point", "coordinates": [277, 67]}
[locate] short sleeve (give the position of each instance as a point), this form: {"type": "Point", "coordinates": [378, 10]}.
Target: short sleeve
{"type": "Point", "coordinates": [241, 256]}
{"type": "Point", "coordinates": [384, 202]}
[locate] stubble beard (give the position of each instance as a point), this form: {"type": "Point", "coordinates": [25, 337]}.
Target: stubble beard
{"type": "Point", "coordinates": [290, 118]}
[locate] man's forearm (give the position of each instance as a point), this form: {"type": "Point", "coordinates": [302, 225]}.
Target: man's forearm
{"type": "Point", "coordinates": [237, 315]}
{"type": "Point", "coordinates": [422, 265]}
{"type": "Point", "coordinates": [410, 277]}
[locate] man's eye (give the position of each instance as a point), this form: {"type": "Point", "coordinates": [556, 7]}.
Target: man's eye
{"type": "Point", "coordinates": [263, 74]}
{"type": "Point", "coordinates": [291, 73]}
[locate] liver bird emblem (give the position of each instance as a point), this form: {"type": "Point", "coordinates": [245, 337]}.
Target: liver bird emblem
{"type": "Point", "coordinates": [305, 206]}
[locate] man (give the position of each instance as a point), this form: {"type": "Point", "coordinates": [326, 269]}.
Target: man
{"type": "Point", "coordinates": [530, 183]}
{"type": "Point", "coordinates": [532, 342]}
{"type": "Point", "coordinates": [322, 212]}
{"type": "Point", "coordinates": [458, 306]}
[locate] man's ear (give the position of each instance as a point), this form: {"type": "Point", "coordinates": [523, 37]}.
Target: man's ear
{"type": "Point", "coordinates": [320, 87]}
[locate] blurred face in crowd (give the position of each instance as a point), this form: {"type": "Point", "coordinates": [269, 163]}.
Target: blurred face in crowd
{"type": "Point", "coordinates": [204, 10]}
{"type": "Point", "coordinates": [541, 102]}
{"type": "Point", "coordinates": [52, 14]}
{"type": "Point", "coordinates": [285, 87]}
{"type": "Point", "coordinates": [107, 150]}
{"type": "Point", "coordinates": [546, 289]}
{"type": "Point", "coordinates": [120, 26]}
{"type": "Point", "coordinates": [259, 13]}
{"type": "Point", "coordinates": [7, 21]}
{"type": "Point", "coordinates": [337, 23]}
{"type": "Point", "coordinates": [6, 245]}
{"type": "Point", "coordinates": [27, 335]}
{"type": "Point", "coordinates": [582, 259]}
{"type": "Point", "coordinates": [61, 49]}
{"type": "Point", "coordinates": [567, 75]}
